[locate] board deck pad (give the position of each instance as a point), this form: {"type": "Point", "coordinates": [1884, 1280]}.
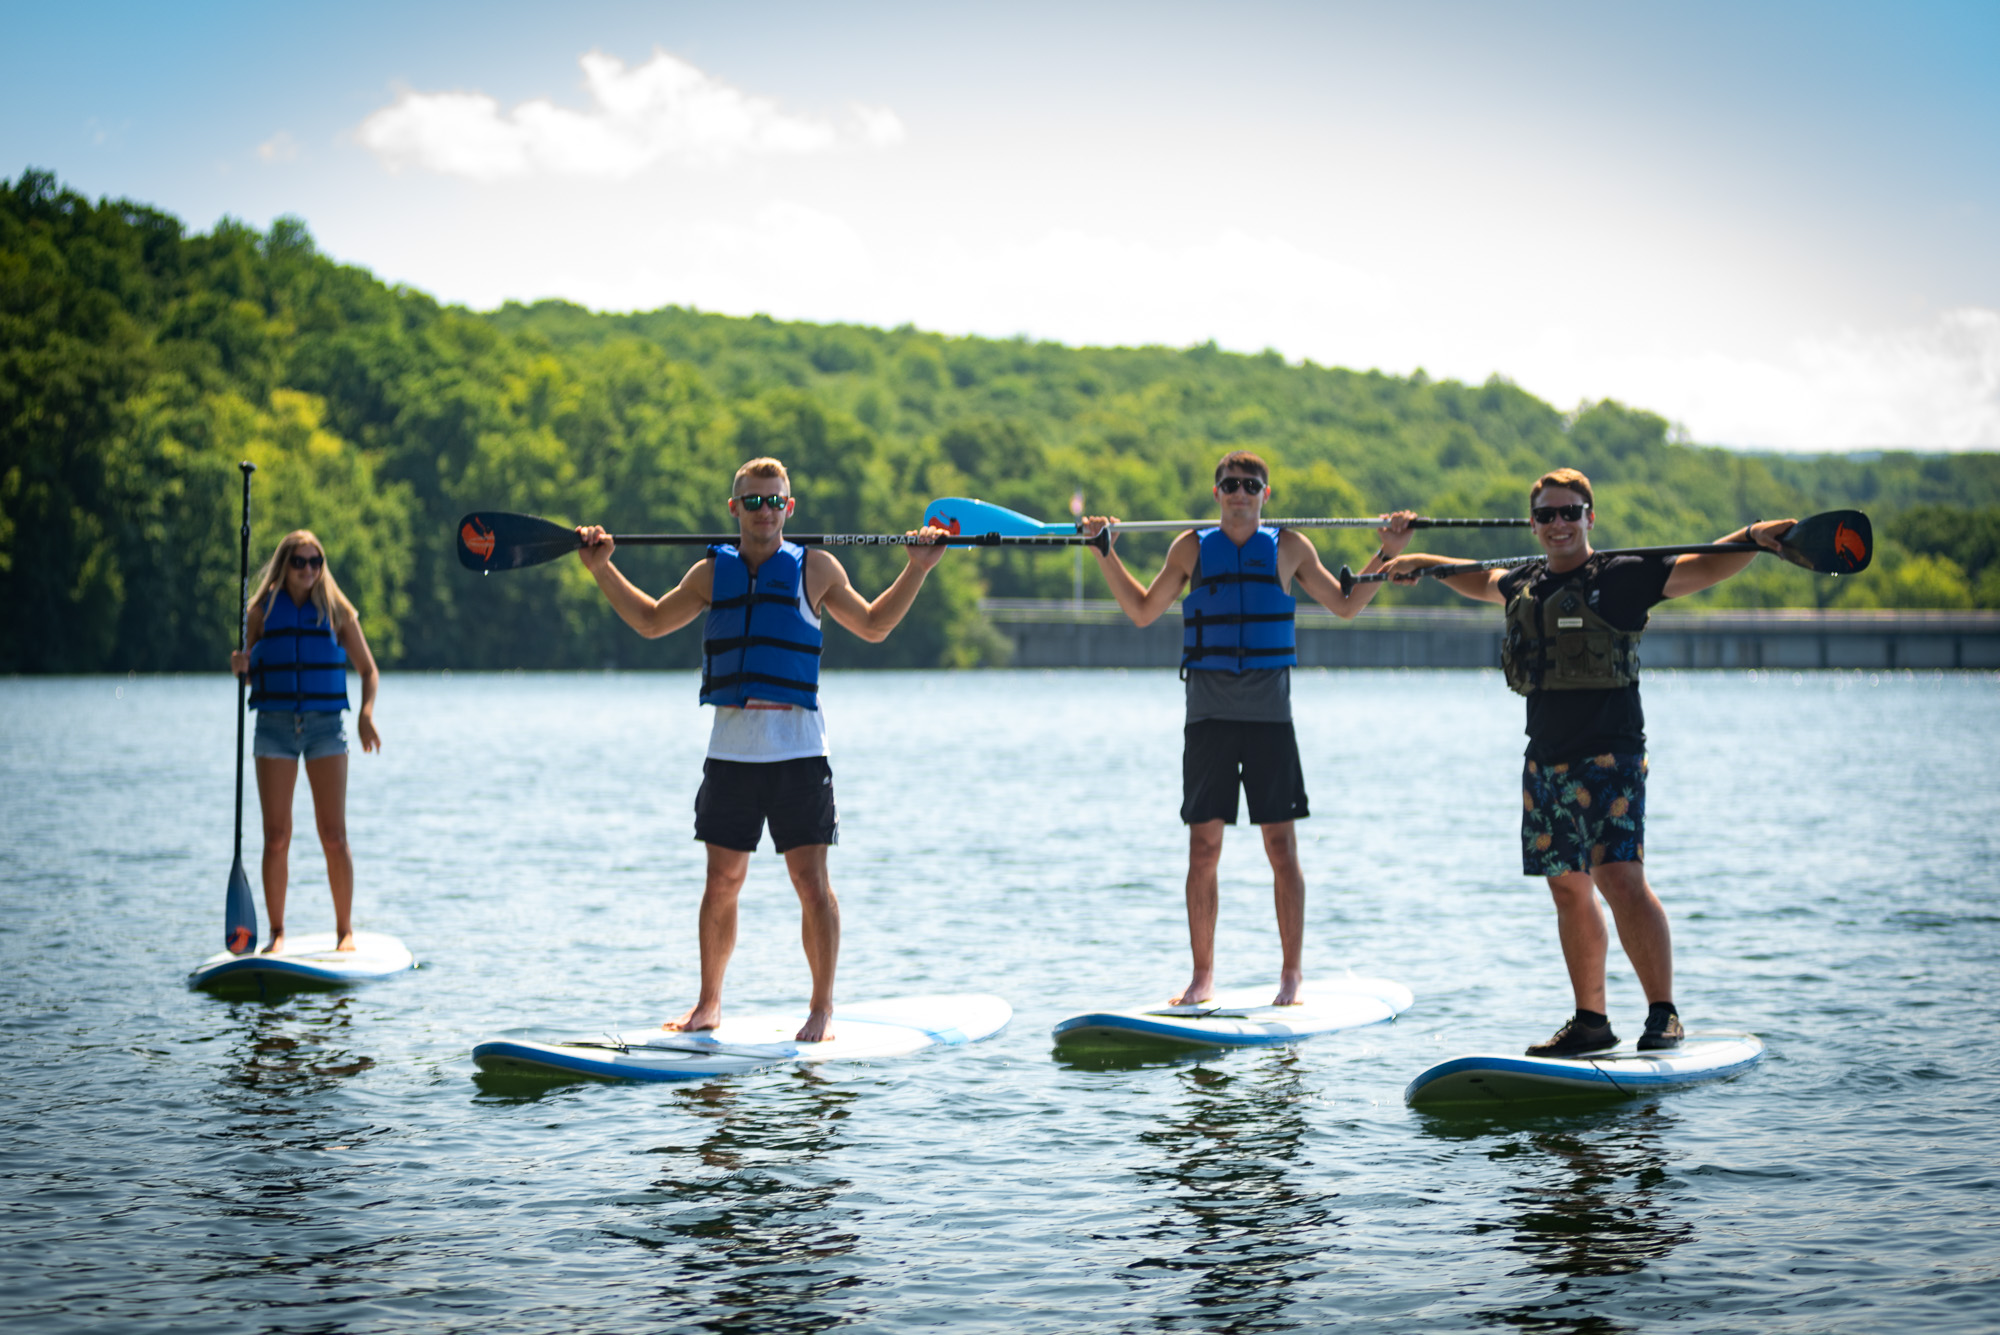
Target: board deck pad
{"type": "Point", "coordinates": [1244, 1017]}
{"type": "Point", "coordinates": [1620, 1072]}
{"type": "Point", "coordinates": [862, 1031]}
{"type": "Point", "coordinates": [308, 961]}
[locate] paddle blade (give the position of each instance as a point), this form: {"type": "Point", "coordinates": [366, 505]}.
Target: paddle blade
{"type": "Point", "coordinates": [958, 516]}
{"type": "Point", "coordinates": [1839, 542]}
{"type": "Point", "coordinates": [239, 913]}
{"type": "Point", "coordinates": [493, 540]}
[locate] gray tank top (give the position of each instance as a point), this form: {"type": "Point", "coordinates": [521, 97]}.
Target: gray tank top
{"type": "Point", "coordinates": [1260, 695]}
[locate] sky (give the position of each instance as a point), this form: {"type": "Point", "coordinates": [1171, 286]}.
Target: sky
{"type": "Point", "coordinates": [1774, 224]}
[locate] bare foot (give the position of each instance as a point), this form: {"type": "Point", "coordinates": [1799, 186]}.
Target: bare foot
{"type": "Point", "coordinates": [701, 1017]}
{"type": "Point", "coordinates": [277, 946]}
{"type": "Point", "coordinates": [346, 941]}
{"type": "Point", "coordinates": [818, 1027]}
{"type": "Point", "coordinates": [1200, 989]}
{"type": "Point", "coordinates": [1288, 989]}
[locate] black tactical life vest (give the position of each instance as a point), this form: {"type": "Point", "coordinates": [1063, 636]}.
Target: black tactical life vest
{"type": "Point", "coordinates": [1559, 643]}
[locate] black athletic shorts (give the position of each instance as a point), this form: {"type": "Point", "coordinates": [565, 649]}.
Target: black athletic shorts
{"type": "Point", "coordinates": [737, 797]}
{"type": "Point", "coordinates": [1262, 757]}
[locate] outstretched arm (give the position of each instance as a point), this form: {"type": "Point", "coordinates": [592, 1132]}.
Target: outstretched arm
{"type": "Point", "coordinates": [651, 617]}
{"type": "Point", "coordinates": [1692, 574]}
{"type": "Point", "coordinates": [1145, 605]}
{"type": "Point", "coordinates": [1481, 586]}
{"type": "Point", "coordinates": [872, 621]}
{"type": "Point", "coordinates": [1315, 579]}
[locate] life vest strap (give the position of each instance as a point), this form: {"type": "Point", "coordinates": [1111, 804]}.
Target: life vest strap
{"type": "Point", "coordinates": [713, 647]}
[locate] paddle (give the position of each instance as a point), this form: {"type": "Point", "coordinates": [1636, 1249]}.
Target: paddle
{"type": "Point", "coordinates": [494, 540]}
{"type": "Point", "coordinates": [958, 513]}
{"type": "Point", "coordinates": [239, 910]}
{"type": "Point", "coordinates": [1839, 542]}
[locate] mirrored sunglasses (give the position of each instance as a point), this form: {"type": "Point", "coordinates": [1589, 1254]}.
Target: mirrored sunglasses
{"type": "Point", "coordinates": [754, 503]}
{"type": "Point", "coordinates": [1249, 486]}
{"type": "Point", "coordinates": [1548, 514]}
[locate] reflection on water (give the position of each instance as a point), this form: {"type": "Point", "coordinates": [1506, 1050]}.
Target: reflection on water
{"type": "Point", "coordinates": [1243, 1223]}
{"type": "Point", "coordinates": [296, 1049]}
{"type": "Point", "coordinates": [1586, 1201]}
{"type": "Point", "coordinates": [747, 1216]}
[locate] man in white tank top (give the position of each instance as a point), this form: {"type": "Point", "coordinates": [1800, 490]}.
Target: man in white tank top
{"type": "Point", "coordinates": [767, 751]}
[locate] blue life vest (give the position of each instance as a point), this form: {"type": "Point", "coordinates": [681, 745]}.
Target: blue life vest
{"type": "Point", "coordinates": [297, 666]}
{"type": "Point", "coordinates": [1236, 614]}
{"type": "Point", "coordinates": [758, 643]}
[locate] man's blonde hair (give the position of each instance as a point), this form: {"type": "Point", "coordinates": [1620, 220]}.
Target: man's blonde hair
{"type": "Point", "coordinates": [765, 467]}
{"type": "Point", "coordinates": [1567, 478]}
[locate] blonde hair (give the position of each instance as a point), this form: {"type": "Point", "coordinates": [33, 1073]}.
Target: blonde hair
{"type": "Point", "coordinates": [765, 467]}
{"type": "Point", "coordinates": [334, 609]}
{"type": "Point", "coordinates": [1568, 479]}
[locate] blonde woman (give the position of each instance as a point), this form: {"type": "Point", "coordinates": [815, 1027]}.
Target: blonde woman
{"type": "Point", "coordinates": [303, 634]}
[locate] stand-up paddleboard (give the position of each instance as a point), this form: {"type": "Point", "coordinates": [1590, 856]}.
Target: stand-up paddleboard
{"type": "Point", "coordinates": [1620, 1072]}
{"type": "Point", "coordinates": [1245, 1018]}
{"type": "Point", "coordinates": [862, 1031]}
{"type": "Point", "coordinates": [307, 962]}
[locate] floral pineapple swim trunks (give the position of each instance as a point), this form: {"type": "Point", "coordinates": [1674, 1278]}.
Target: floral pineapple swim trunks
{"type": "Point", "coordinates": [1577, 815]}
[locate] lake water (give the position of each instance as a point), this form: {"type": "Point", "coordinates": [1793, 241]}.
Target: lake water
{"type": "Point", "coordinates": [1825, 845]}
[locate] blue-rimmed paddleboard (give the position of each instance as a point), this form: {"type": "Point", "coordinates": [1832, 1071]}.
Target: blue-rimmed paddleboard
{"type": "Point", "coordinates": [862, 1031]}
{"type": "Point", "coordinates": [1244, 1018]}
{"type": "Point", "coordinates": [1620, 1072]}
{"type": "Point", "coordinates": [308, 961]}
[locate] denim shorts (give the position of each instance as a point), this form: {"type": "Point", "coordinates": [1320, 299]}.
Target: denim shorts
{"type": "Point", "coordinates": [309, 736]}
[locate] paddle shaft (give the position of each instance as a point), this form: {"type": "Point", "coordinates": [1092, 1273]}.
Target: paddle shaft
{"type": "Point", "coordinates": [242, 641]}
{"type": "Point", "coordinates": [1348, 579]}
{"type": "Point", "coordinates": [862, 540]}
{"type": "Point", "coordinates": [1166, 525]}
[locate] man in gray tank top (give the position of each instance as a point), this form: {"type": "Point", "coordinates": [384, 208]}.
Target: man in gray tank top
{"type": "Point", "coordinates": [1237, 662]}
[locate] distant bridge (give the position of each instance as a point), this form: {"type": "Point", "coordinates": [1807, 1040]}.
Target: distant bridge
{"type": "Point", "coordinates": [1094, 633]}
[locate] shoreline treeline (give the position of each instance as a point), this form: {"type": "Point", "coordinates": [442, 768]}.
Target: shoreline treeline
{"type": "Point", "coordinates": [139, 362]}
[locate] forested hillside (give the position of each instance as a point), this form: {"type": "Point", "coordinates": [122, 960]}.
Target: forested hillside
{"type": "Point", "coordinates": [139, 362]}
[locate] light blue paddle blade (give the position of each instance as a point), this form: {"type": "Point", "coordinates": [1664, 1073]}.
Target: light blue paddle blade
{"type": "Point", "coordinates": [956, 514]}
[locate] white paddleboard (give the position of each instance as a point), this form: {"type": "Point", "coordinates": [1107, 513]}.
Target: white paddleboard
{"type": "Point", "coordinates": [1620, 1072]}
{"type": "Point", "coordinates": [861, 1031]}
{"type": "Point", "coordinates": [307, 961]}
{"type": "Point", "coordinates": [1245, 1018]}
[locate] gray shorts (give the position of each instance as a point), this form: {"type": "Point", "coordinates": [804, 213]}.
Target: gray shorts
{"type": "Point", "coordinates": [314, 735]}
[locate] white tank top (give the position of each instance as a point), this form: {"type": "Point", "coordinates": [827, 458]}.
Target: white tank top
{"type": "Point", "coordinates": [764, 730]}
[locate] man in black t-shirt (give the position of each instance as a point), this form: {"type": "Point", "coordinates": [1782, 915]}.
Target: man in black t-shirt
{"type": "Point", "coordinates": [1571, 647]}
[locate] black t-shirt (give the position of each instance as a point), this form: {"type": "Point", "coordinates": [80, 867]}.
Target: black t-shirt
{"type": "Point", "coordinates": [1569, 725]}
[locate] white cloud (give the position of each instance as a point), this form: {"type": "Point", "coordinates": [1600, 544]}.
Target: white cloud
{"type": "Point", "coordinates": [1934, 387]}
{"type": "Point", "coordinates": [280, 147]}
{"type": "Point", "coordinates": [664, 110]}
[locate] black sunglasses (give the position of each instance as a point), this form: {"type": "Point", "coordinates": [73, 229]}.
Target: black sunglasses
{"type": "Point", "coordinates": [307, 562]}
{"type": "Point", "coordinates": [1548, 514]}
{"type": "Point", "coordinates": [1249, 486]}
{"type": "Point", "coordinates": [761, 502]}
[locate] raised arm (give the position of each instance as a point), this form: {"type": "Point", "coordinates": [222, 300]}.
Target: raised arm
{"type": "Point", "coordinates": [872, 621]}
{"type": "Point", "coordinates": [1481, 586]}
{"type": "Point", "coordinates": [1145, 605]}
{"type": "Point", "coordinates": [1692, 574]}
{"type": "Point", "coordinates": [1317, 581]}
{"type": "Point", "coordinates": [651, 617]}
